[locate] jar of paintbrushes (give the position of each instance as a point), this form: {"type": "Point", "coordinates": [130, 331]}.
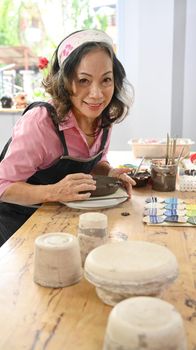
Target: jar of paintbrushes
{"type": "Point", "coordinates": [164, 171]}
{"type": "Point", "coordinates": [163, 176]}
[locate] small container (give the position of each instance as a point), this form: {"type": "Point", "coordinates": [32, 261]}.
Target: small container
{"type": "Point", "coordinates": [6, 102]}
{"type": "Point", "coordinates": [141, 178]}
{"type": "Point", "coordinates": [57, 260]}
{"type": "Point", "coordinates": [187, 183]}
{"type": "Point", "coordinates": [163, 176]}
{"type": "Point", "coordinates": [124, 269]}
{"type": "Point", "coordinates": [144, 323]}
{"type": "Point", "coordinates": [92, 232]}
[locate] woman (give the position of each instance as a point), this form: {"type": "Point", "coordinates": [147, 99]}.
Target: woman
{"type": "Point", "coordinates": [55, 150]}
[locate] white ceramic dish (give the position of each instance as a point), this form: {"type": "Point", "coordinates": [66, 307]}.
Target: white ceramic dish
{"type": "Point", "coordinates": [95, 204]}
{"type": "Point", "coordinates": [123, 269]}
{"type": "Point", "coordinates": [101, 202]}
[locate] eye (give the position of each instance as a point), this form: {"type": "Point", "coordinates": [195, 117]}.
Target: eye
{"type": "Point", "coordinates": [107, 81]}
{"type": "Point", "coordinates": [84, 82]}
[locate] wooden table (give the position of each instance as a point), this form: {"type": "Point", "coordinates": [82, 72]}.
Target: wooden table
{"type": "Point", "coordinates": [73, 318]}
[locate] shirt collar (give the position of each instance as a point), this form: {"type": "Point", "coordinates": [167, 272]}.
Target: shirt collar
{"type": "Point", "coordinates": [69, 122]}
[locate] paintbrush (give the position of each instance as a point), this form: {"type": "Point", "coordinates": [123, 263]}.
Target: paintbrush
{"type": "Point", "coordinates": [173, 150]}
{"type": "Point", "coordinates": [181, 158]}
{"type": "Point", "coordinates": [180, 155]}
{"type": "Point", "coordinates": [167, 150]}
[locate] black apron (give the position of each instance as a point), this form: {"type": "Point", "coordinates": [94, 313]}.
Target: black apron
{"type": "Point", "coordinates": [12, 216]}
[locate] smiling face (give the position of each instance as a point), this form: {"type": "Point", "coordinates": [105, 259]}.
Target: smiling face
{"type": "Point", "coordinates": [93, 85]}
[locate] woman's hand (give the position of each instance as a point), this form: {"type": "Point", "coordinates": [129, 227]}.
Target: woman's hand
{"type": "Point", "coordinates": [121, 174]}
{"type": "Point", "coordinates": [69, 188]}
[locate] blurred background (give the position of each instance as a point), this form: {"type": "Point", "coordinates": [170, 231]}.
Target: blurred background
{"type": "Point", "coordinates": [32, 29]}
{"type": "Point", "coordinates": [154, 39]}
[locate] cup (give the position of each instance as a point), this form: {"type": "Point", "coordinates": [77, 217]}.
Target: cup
{"type": "Point", "coordinates": [92, 232]}
{"type": "Point", "coordinates": [144, 323]}
{"type": "Point", "coordinates": [57, 260]}
{"type": "Point", "coordinates": [163, 176]}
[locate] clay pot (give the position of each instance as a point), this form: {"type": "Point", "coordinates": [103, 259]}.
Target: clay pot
{"type": "Point", "coordinates": [105, 185]}
{"type": "Point", "coordinates": [57, 260]}
{"type": "Point", "coordinates": [145, 323]}
{"type": "Point", "coordinates": [123, 269]}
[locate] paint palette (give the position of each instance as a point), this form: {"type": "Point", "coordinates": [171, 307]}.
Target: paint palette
{"type": "Point", "coordinates": [170, 200]}
{"type": "Point", "coordinates": [169, 211]}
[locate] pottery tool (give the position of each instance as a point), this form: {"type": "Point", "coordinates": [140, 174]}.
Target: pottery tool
{"type": "Point", "coordinates": [139, 166]}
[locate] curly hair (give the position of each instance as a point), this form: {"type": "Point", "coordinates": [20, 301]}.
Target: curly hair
{"type": "Point", "coordinates": [59, 80]}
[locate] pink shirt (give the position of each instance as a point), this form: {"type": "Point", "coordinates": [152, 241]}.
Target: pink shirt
{"type": "Point", "coordinates": [36, 145]}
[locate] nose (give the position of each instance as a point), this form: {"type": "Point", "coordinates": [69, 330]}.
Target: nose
{"type": "Point", "coordinates": [95, 91]}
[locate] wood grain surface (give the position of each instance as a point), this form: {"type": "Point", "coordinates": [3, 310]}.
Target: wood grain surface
{"type": "Point", "coordinates": [35, 318]}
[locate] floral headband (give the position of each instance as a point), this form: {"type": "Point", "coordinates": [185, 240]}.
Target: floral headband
{"type": "Point", "coordinates": [75, 40]}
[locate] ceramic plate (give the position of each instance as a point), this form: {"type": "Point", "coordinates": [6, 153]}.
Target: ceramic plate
{"type": "Point", "coordinates": [95, 204]}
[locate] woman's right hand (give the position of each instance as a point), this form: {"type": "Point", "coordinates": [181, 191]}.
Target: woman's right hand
{"type": "Point", "coordinates": [70, 188]}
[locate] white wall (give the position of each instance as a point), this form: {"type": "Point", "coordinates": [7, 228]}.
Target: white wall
{"type": "Point", "coordinates": [189, 111]}
{"type": "Point", "coordinates": [152, 42]}
{"type": "Point", "coordinates": [178, 67]}
{"type": "Point", "coordinates": [7, 122]}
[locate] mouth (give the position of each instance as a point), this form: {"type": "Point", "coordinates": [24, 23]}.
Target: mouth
{"type": "Point", "coordinates": [94, 106]}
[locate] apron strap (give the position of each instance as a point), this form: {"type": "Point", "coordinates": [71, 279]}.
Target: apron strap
{"type": "Point", "coordinates": [52, 112]}
{"type": "Point", "coordinates": [104, 139]}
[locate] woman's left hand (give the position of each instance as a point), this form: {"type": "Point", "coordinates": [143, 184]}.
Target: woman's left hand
{"type": "Point", "coordinates": [121, 174]}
